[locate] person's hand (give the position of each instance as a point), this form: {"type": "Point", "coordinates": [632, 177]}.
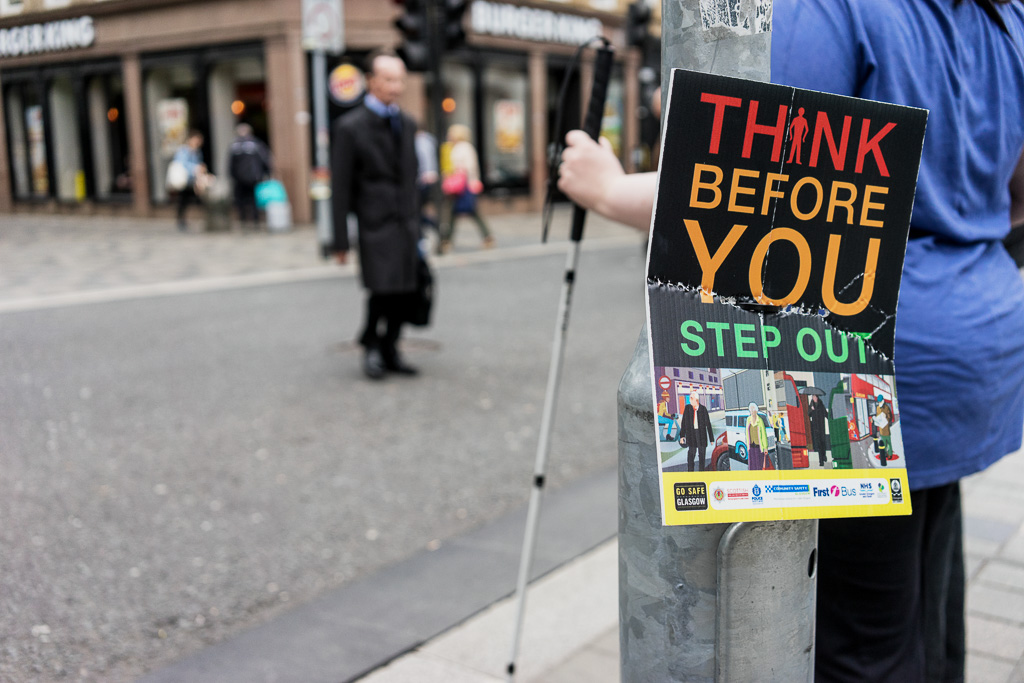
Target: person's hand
{"type": "Point", "coordinates": [588, 170]}
{"type": "Point", "coordinates": [341, 257]}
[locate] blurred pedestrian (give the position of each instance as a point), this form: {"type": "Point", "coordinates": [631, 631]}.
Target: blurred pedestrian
{"type": "Point", "coordinates": [890, 603]}
{"type": "Point", "coordinates": [461, 186]}
{"type": "Point", "coordinates": [374, 175]}
{"type": "Point", "coordinates": [248, 164]}
{"type": "Point", "coordinates": [426, 156]}
{"type": "Point", "coordinates": [190, 156]}
{"type": "Point", "coordinates": [757, 439]}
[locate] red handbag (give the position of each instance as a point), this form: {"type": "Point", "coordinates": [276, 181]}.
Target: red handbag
{"type": "Point", "coordinates": [455, 184]}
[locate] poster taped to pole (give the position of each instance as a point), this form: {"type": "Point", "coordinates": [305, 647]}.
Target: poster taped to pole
{"type": "Point", "coordinates": [777, 245]}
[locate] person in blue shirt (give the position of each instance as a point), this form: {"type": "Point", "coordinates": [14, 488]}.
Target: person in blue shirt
{"type": "Point", "coordinates": [890, 603]}
{"type": "Point", "coordinates": [190, 155]}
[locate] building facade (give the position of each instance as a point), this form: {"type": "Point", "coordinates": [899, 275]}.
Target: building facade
{"type": "Point", "coordinates": [98, 94]}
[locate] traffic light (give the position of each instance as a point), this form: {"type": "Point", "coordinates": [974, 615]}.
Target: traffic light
{"type": "Point", "coordinates": [415, 48]}
{"type": "Point", "coordinates": [454, 34]}
{"type": "Point", "coordinates": [637, 17]}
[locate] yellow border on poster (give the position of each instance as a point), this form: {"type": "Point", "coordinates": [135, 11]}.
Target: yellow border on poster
{"type": "Point", "coordinates": [675, 517]}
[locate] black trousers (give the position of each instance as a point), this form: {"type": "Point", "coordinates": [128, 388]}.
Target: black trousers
{"type": "Point", "coordinates": [245, 203]}
{"type": "Point", "coordinates": [186, 197]}
{"type": "Point", "coordinates": [385, 315]}
{"type": "Point", "coordinates": [891, 594]}
{"type": "Point", "coordinates": [695, 450]}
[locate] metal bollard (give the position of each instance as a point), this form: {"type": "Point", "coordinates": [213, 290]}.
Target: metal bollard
{"type": "Point", "coordinates": [709, 602]}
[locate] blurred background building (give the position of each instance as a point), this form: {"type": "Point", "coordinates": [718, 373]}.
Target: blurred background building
{"type": "Point", "coordinates": [98, 94]}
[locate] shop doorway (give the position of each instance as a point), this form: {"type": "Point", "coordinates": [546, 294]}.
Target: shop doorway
{"type": "Point", "coordinates": [237, 93]}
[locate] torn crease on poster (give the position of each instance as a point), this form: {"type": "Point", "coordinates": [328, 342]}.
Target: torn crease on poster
{"type": "Point", "coordinates": [773, 271]}
{"type": "Point", "coordinates": [739, 17]}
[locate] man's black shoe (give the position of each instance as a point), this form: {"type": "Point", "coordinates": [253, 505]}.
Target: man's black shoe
{"type": "Point", "coordinates": [399, 366]}
{"type": "Point", "coordinates": [373, 364]}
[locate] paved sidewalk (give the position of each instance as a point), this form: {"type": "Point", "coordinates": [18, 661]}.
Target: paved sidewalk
{"type": "Point", "coordinates": [69, 257]}
{"type": "Point", "coordinates": [571, 628]}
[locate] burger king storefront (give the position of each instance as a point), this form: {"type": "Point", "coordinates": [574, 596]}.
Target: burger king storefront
{"type": "Point", "coordinates": [96, 97]}
{"type": "Point", "coordinates": [94, 104]}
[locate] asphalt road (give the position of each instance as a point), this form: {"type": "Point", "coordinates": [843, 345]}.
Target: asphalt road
{"type": "Point", "coordinates": [175, 469]}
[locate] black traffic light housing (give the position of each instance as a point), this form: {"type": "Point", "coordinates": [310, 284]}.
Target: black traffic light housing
{"type": "Point", "coordinates": [453, 33]}
{"type": "Point", "coordinates": [637, 17]}
{"type": "Point", "coordinates": [412, 24]}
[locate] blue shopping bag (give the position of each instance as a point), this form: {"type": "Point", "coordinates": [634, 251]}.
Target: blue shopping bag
{"type": "Point", "coordinates": [270, 192]}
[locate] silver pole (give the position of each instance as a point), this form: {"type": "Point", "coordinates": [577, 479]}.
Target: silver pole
{"type": "Point", "coordinates": [321, 126]}
{"type": "Point", "coordinates": [707, 602]}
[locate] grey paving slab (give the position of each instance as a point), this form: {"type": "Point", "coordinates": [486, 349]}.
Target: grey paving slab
{"type": "Point", "coordinates": [995, 603]}
{"type": "Point", "coordinates": [989, 529]}
{"type": "Point", "coordinates": [995, 638]}
{"type": "Point", "coordinates": [980, 547]}
{"type": "Point", "coordinates": [984, 669]}
{"type": "Point", "coordinates": [1001, 574]}
{"type": "Point", "coordinates": [1014, 548]}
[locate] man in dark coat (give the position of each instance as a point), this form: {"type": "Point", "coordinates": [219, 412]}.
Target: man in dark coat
{"type": "Point", "coordinates": [696, 429]}
{"type": "Point", "coordinates": [817, 413]}
{"type": "Point", "coordinates": [374, 173]}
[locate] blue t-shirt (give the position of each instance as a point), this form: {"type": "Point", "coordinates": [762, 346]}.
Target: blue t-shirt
{"type": "Point", "coordinates": [960, 321]}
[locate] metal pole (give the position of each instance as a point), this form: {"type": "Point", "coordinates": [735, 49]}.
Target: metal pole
{"type": "Point", "coordinates": [708, 602]}
{"type": "Point", "coordinates": [321, 125]}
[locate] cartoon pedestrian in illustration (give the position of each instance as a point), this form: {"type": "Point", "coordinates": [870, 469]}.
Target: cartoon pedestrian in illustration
{"type": "Point", "coordinates": [797, 132]}
{"type": "Point", "coordinates": [818, 415]}
{"type": "Point", "coordinates": [883, 439]}
{"type": "Point", "coordinates": [757, 439]}
{"type": "Point", "coordinates": [665, 420]}
{"type": "Point", "coordinates": [776, 421]}
{"type": "Point", "coordinates": [696, 428]}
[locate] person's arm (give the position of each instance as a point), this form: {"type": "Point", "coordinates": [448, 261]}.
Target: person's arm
{"type": "Point", "coordinates": [1014, 241]}
{"type": "Point", "coordinates": [1017, 196]}
{"type": "Point", "coordinates": [591, 175]}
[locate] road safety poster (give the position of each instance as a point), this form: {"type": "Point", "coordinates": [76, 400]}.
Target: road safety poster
{"type": "Point", "coordinates": [773, 272]}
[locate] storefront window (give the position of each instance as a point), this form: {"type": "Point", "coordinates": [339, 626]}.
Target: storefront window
{"type": "Point", "coordinates": [17, 141]}
{"type": "Point", "coordinates": [67, 152]}
{"type": "Point", "coordinates": [39, 167]}
{"type": "Point", "coordinates": [66, 132]}
{"type": "Point", "coordinates": [489, 92]}
{"type": "Point", "coordinates": [506, 126]}
{"type": "Point", "coordinates": [26, 126]}
{"type": "Point", "coordinates": [459, 103]}
{"type": "Point", "coordinates": [611, 121]}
